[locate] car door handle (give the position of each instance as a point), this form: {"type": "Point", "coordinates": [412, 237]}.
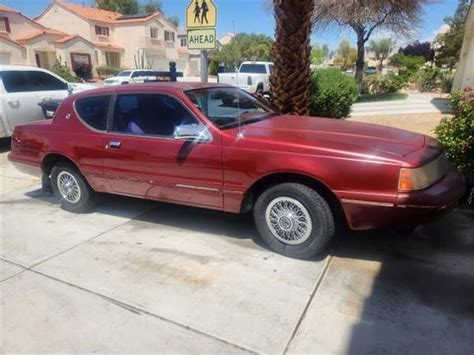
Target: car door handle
{"type": "Point", "coordinates": [114, 145]}
{"type": "Point", "coordinates": [13, 102]}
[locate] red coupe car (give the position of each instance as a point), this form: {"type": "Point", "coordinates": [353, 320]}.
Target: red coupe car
{"type": "Point", "coordinates": [217, 147]}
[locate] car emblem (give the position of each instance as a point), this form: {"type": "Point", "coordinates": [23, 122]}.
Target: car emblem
{"type": "Point", "coordinates": [68, 116]}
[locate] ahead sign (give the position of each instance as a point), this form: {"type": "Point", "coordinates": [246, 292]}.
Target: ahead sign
{"type": "Point", "coordinates": [201, 13]}
{"type": "Point", "coordinates": [202, 38]}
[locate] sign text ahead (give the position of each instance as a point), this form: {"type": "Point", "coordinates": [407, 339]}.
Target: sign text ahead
{"type": "Point", "coordinates": [202, 38]}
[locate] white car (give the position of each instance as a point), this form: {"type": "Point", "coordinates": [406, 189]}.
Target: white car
{"type": "Point", "coordinates": [23, 88]}
{"type": "Point", "coordinates": [253, 77]}
{"type": "Point", "coordinates": [131, 77]}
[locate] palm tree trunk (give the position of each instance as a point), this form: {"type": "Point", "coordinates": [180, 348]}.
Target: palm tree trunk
{"type": "Point", "coordinates": [291, 79]}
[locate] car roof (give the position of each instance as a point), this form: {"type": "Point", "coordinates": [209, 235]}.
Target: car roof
{"type": "Point", "coordinates": [151, 87]}
{"type": "Point", "coordinates": [21, 67]}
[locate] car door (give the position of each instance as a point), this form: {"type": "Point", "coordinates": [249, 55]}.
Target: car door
{"type": "Point", "coordinates": [23, 91]}
{"type": "Point", "coordinates": [143, 159]}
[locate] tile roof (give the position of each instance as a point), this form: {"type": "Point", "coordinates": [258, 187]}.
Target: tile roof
{"type": "Point", "coordinates": [108, 45]}
{"type": "Point", "coordinates": [7, 38]}
{"type": "Point", "coordinates": [7, 9]}
{"type": "Point", "coordinates": [98, 15]}
{"type": "Point", "coordinates": [37, 33]}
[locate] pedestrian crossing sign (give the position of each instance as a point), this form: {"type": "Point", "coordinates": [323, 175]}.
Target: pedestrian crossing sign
{"type": "Point", "coordinates": [201, 14]}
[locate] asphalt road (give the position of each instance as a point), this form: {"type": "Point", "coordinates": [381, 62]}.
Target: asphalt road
{"type": "Point", "coordinates": [140, 276]}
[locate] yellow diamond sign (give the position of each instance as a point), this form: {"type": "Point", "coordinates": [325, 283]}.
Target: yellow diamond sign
{"type": "Point", "coordinates": [201, 14]}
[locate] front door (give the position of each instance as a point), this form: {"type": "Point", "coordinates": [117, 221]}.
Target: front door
{"type": "Point", "coordinates": [143, 159]}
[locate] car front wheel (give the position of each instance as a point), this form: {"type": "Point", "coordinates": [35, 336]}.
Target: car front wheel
{"type": "Point", "coordinates": [294, 220]}
{"type": "Point", "coordinates": [71, 188]}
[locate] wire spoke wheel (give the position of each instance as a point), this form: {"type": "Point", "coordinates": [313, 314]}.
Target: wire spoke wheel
{"type": "Point", "coordinates": [68, 187]}
{"type": "Point", "coordinates": [289, 220]}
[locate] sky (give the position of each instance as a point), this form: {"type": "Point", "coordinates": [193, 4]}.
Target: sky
{"type": "Point", "coordinates": [255, 16]}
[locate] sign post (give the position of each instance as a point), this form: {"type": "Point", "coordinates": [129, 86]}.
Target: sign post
{"type": "Point", "coordinates": [201, 22]}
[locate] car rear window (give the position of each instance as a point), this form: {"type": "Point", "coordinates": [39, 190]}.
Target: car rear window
{"type": "Point", "coordinates": [93, 111]}
{"type": "Point", "coordinates": [253, 68]}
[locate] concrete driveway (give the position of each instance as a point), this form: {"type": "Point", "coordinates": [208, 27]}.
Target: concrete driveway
{"type": "Point", "coordinates": [139, 276]}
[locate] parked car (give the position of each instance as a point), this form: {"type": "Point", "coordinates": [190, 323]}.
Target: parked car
{"type": "Point", "coordinates": [370, 71]}
{"type": "Point", "coordinates": [131, 77]}
{"type": "Point", "coordinates": [218, 147]}
{"type": "Point", "coordinates": [23, 88]}
{"type": "Point", "coordinates": [253, 77]}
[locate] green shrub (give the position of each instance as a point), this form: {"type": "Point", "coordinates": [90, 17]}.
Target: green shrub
{"type": "Point", "coordinates": [429, 80]}
{"type": "Point", "coordinates": [106, 70]}
{"type": "Point", "coordinates": [407, 65]}
{"type": "Point", "coordinates": [61, 69]}
{"type": "Point", "coordinates": [457, 133]}
{"type": "Point", "coordinates": [388, 84]}
{"type": "Point", "coordinates": [332, 93]}
{"type": "Point", "coordinates": [213, 67]}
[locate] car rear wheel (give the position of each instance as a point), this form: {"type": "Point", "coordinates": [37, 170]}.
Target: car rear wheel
{"type": "Point", "coordinates": [294, 220]}
{"type": "Point", "coordinates": [71, 188]}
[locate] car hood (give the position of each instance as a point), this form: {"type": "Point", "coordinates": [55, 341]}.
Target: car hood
{"type": "Point", "coordinates": [333, 136]}
{"type": "Point", "coordinates": [78, 87]}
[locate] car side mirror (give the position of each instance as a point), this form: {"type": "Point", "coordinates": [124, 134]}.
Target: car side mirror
{"type": "Point", "coordinates": [70, 89]}
{"type": "Point", "coordinates": [192, 132]}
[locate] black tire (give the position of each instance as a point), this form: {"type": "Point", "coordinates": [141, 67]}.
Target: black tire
{"type": "Point", "coordinates": [322, 220]}
{"type": "Point", "coordinates": [125, 83]}
{"type": "Point", "coordinates": [87, 196]}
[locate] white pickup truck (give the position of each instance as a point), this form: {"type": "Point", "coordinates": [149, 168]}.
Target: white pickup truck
{"type": "Point", "coordinates": [253, 77]}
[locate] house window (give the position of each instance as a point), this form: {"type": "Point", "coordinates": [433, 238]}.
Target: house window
{"type": "Point", "coordinates": [184, 42]}
{"type": "Point", "coordinates": [4, 24]}
{"type": "Point", "coordinates": [169, 36]}
{"type": "Point", "coordinates": [102, 31]}
{"type": "Point", "coordinates": [112, 59]}
{"type": "Point", "coordinates": [153, 32]}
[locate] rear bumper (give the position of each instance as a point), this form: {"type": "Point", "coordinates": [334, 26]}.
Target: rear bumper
{"type": "Point", "coordinates": [408, 209]}
{"type": "Point", "coordinates": [26, 167]}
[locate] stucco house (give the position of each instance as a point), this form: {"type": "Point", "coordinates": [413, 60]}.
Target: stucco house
{"type": "Point", "coordinates": [465, 70]}
{"type": "Point", "coordinates": [26, 42]}
{"type": "Point", "coordinates": [123, 41]}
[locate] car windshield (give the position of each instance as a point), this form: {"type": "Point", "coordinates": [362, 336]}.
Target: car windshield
{"type": "Point", "coordinates": [229, 107]}
{"type": "Point", "coordinates": [124, 73]}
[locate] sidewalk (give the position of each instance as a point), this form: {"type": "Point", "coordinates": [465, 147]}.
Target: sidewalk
{"type": "Point", "coordinates": [413, 104]}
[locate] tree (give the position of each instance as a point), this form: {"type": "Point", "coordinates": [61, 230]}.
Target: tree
{"type": "Point", "coordinates": [319, 54]}
{"type": "Point", "coordinates": [450, 43]}
{"type": "Point", "coordinates": [152, 6]}
{"type": "Point", "coordinates": [407, 64]}
{"type": "Point", "coordinates": [245, 47]}
{"type": "Point", "coordinates": [364, 17]}
{"type": "Point", "coordinates": [125, 7]}
{"type": "Point", "coordinates": [346, 55]}
{"type": "Point", "coordinates": [174, 20]}
{"type": "Point", "coordinates": [382, 49]}
{"type": "Point", "coordinates": [419, 49]}
{"type": "Point", "coordinates": [290, 82]}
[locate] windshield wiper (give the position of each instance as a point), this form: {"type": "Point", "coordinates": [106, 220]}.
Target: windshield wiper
{"type": "Point", "coordinates": [231, 125]}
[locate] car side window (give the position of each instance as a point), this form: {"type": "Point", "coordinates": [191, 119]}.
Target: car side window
{"type": "Point", "coordinates": [149, 114]}
{"type": "Point", "coordinates": [137, 74]}
{"type": "Point", "coordinates": [93, 111]}
{"type": "Point", "coordinates": [31, 80]}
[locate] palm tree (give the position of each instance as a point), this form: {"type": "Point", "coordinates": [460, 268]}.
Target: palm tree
{"type": "Point", "coordinates": [291, 78]}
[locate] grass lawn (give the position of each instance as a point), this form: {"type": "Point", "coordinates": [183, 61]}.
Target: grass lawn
{"type": "Point", "coordinates": [381, 97]}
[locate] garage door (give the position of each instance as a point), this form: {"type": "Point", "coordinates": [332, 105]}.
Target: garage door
{"type": "Point", "coordinates": [5, 58]}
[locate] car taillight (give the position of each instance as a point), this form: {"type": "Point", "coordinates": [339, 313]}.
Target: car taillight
{"type": "Point", "coordinates": [423, 177]}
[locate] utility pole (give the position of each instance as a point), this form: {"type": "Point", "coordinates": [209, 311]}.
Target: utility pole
{"type": "Point", "coordinates": [204, 67]}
